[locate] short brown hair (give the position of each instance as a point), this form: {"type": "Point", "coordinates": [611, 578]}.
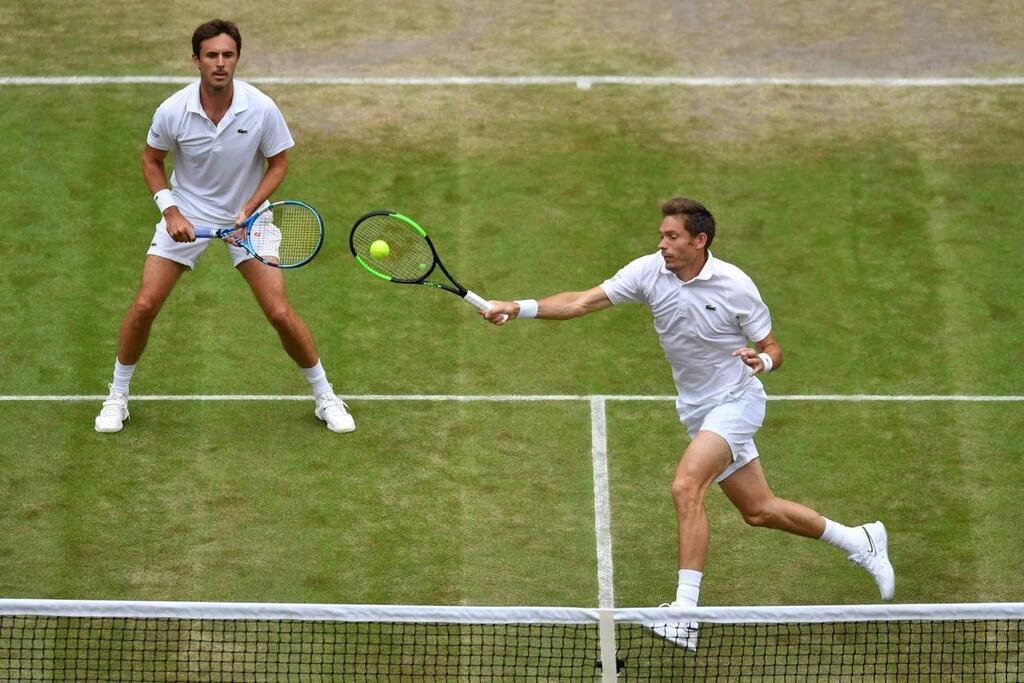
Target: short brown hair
{"type": "Point", "coordinates": [212, 29]}
{"type": "Point", "coordinates": [696, 218]}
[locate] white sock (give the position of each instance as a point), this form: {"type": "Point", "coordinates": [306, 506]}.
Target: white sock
{"type": "Point", "coordinates": [122, 376]}
{"type": "Point", "coordinates": [849, 540]}
{"type": "Point", "coordinates": [317, 379]}
{"type": "Point", "coordinates": [688, 591]}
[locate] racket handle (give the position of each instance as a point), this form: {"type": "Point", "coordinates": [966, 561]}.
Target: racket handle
{"type": "Point", "coordinates": [477, 300]}
{"type": "Point", "coordinates": [480, 302]}
{"type": "Point", "coordinates": [207, 232]}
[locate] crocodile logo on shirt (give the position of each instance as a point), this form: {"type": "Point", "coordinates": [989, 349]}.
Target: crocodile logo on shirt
{"type": "Point", "coordinates": [710, 307]}
{"type": "Point", "coordinates": [242, 131]}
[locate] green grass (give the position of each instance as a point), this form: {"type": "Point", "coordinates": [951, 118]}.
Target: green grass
{"type": "Point", "coordinates": [424, 504]}
{"type": "Point", "coordinates": [318, 37]}
{"type": "Point", "coordinates": [882, 227]}
{"type": "Point", "coordinates": [879, 251]}
{"type": "Point", "coordinates": [949, 505]}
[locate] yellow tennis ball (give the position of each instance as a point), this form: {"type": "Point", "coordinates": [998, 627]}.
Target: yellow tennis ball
{"type": "Point", "coordinates": [380, 249]}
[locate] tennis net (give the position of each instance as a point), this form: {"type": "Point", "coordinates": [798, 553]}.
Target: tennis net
{"type": "Point", "coordinates": [171, 641]}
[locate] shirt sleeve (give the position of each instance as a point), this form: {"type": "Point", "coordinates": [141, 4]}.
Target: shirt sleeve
{"type": "Point", "coordinates": [276, 137]}
{"type": "Point", "coordinates": [627, 285]}
{"type": "Point", "coordinates": [159, 136]}
{"type": "Point", "coordinates": [752, 313]}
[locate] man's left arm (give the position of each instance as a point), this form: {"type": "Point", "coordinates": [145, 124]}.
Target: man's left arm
{"type": "Point", "coordinates": [764, 357]}
{"type": "Point", "coordinates": [277, 168]}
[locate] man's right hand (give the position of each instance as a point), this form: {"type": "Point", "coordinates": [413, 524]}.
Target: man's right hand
{"type": "Point", "coordinates": [500, 312]}
{"type": "Point", "coordinates": [178, 227]}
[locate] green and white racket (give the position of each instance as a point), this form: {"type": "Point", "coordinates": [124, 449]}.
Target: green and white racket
{"type": "Point", "coordinates": [395, 248]}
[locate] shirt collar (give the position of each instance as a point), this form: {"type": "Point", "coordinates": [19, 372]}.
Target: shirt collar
{"type": "Point", "coordinates": [239, 100]}
{"type": "Point", "coordinates": [706, 273]}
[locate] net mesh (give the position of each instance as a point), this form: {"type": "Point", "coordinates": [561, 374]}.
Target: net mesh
{"type": "Point", "coordinates": [408, 256]}
{"type": "Point", "coordinates": [971, 650]}
{"type": "Point", "coordinates": [77, 649]}
{"type": "Point", "coordinates": [140, 642]}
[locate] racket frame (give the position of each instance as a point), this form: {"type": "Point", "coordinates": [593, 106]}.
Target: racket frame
{"type": "Point", "coordinates": [246, 243]}
{"type": "Point", "coordinates": [456, 288]}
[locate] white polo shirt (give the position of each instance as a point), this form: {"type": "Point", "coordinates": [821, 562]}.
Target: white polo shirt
{"type": "Point", "coordinates": [699, 323]}
{"type": "Point", "coordinates": [218, 167]}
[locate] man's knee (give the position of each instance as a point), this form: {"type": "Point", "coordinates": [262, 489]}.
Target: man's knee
{"type": "Point", "coordinates": [686, 491]}
{"type": "Point", "coordinates": [761, 514]}
{"type": "Point", "coordinates": [145, 307]}
{"type": "Point", "coordinates": [280, 314]}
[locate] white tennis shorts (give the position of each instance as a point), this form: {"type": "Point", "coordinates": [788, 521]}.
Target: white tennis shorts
{"type": "Point", "coordinates": [265, 238]}
{"type": "Point", "coordinates": [188, 253]}
{"type": "Point", "coordinates": [736, 418]}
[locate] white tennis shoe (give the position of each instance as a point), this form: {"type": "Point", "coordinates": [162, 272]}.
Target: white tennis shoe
{"type": "Point", "coordinates": [333, 411]}
{"type": "Point", "coordinates": [875, 559]}
{"type": "Point", "coordinates": [682, 633]}
{"type": "Point", "coordinates": [113, 413]}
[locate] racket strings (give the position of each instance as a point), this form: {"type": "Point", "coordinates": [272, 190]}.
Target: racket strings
{"type": "Point", "coordinates": [288, 234]}
{"type": "Point", "coordinates": [409, 255]}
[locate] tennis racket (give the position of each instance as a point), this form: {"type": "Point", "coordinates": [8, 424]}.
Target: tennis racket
{"type": "Point", "coordinates": [410, 257]}
{"type": "Point", "coordinates": [285, 234]}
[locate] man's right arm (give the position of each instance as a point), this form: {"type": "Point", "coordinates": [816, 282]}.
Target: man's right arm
{"type": "Point", "coordinates": [561, 306]}
{"type": "Point", "coordinates": [155, 175]}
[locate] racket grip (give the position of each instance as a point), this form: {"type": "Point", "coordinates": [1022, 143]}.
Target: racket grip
{"type": "Point", "coordinates": [206, 232]}
{"type": "Point", "coordinates": [479, 302]}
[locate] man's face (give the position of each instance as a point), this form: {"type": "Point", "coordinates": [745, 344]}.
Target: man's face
{"type": "Point", "coordinates": [216, 61]}
{"type": "Point", "coordinates": [680, 248]}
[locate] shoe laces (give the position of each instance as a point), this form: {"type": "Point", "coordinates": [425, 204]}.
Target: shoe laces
{"type": "Point", "coordinates": [115, 407]}
{"type": "Point", "coordinates": [865, 559]}
{"type": "Point", "coordinates": [329, 401]}
{"type": "Point", "coordinates": [115, 404]}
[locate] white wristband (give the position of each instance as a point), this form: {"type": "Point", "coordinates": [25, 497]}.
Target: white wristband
{"type": "Point", "coordinates": [767, 360]}
{"type": "Point", "coordinates": [164, 200]}
{"type": "Point", "coordinates": [527, 308]}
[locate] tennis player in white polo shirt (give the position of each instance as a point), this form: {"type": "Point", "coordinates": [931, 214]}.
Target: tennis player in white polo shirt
{"type": "Point", "coordinates": [230, 145]}
{"type": "Point", "coordinates": [706, 312]}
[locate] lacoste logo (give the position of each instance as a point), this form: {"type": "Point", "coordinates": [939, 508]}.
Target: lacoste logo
{"type": "Point", "coordinates": [710, 307]}
{"type": "Point", "coordinates": [154, 133]}
{"type": "Point", "coordinates": [242, 131]}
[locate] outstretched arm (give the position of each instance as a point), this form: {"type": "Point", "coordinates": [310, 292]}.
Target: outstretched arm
{"type": "Point", "coordinates": [555, 307]}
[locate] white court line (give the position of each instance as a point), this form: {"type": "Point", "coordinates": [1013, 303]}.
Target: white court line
{"type": "Point", "coordinates": [71, 398]}
{"type": "Point", "coordinates": [583, 82]}
{"type": "Point", "coordinates": [906, 397]}
{"type": "Point", "coordinates": [508, 398]}
{"type": "Point", "coordinates": [602, 503]}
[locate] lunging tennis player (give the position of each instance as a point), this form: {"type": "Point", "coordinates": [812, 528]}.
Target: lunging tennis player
{"type": "Point", "coordinates": [706, 311]}
{"type": "Point", "coordinates": [230, 145]}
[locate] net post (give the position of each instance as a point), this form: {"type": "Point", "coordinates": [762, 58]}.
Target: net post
{"type": "Point", "coordinates": [606, 639]}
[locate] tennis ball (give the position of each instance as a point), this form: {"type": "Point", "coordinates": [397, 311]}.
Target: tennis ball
{"type": "Point", "coordinates": [380, 249]}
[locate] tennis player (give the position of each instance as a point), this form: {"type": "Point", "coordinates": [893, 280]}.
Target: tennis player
{"type": "Point", "coordinates": [230, 145]}
{"type": "Point", "coordinates": [706, 311]}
